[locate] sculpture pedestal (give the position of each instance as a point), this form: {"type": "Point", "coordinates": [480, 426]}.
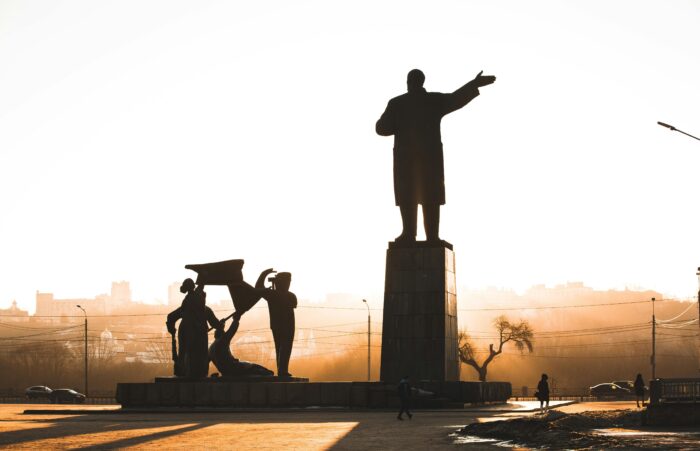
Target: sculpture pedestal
{"type": "Point", "coordinates": [419, 337]}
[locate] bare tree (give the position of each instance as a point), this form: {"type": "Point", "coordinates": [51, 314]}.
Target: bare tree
{"type": "Point", "coordinates": [520, 334]}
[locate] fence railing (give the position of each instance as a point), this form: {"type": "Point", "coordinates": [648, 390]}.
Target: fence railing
{"type": "Point", "coordinates": [674, 390]}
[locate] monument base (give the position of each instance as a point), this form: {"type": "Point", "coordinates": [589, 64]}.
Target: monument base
{"type": "Point", "coordinates": [221, 379]}
{"type": "Point", "coordinates": [226, 394]}
{"type": "Point", "coordinates": [419, 334]}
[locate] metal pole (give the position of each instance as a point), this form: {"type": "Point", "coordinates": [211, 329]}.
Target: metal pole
{"type": "Point", "coordinates": [674, 129]}
{"type": "Point", "coordinates": [369, 338]}
{"type": "Point", "coordinates": [85, 354]}
{"type": "Point", "coordinates": [698, 274]}
{"type": "Point", "coordinates": [653, 339]}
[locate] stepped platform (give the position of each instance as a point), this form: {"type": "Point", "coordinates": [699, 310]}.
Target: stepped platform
{"type": "Point", "coordinates": [220, 392]}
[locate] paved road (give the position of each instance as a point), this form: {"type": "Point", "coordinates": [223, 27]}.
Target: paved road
{"type": "Point", "coordinates": [307, 430]}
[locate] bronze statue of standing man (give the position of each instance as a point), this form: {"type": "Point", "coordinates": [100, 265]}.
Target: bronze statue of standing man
{"type": "Point", "coordinates": [419, 175]}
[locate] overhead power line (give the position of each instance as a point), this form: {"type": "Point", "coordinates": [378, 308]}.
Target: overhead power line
{"type": "Point", "coordinates": [485, 309]}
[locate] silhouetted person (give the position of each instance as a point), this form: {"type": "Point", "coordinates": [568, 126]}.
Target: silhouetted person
{"type": "Point", "coordinates": [419, 176]}
{"type": "Point", "coordinates": [543, 393]}
{"type": "Point", "coordinates": [404, 397]}
{"type": "Point", "coordinates": [192, 336]}
{"type": "Point", "coordinates": [220, 354]}
{"type": "Point", "coordinates": [281, 304]}
{"type": "Point", "coordinates": [639, 389]}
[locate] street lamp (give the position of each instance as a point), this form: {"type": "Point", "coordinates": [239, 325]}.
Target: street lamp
{"type": "Point", "coordinates": [369, 322]}
{"type": "Point", "coordinates": [86, 352]}
{"type": "Point", "coordinates": [674, 129]}
{"type": "Point", "coordinates": [653, 339]}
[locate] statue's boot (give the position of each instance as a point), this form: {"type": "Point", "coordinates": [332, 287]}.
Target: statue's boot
{"type": "Point", "coordinates": [409, 219]}
{"type": "Point", "coordinates": [431, 222]}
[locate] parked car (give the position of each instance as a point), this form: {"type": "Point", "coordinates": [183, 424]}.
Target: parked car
{"type": "Point", "coordinates": [67, 396]}
{"type": "Point", "coordinates": [629, 385]}
{"type": "Point", "coordinates": [610, 390]}
{"type": "Point", "coordinates": [38, 391]}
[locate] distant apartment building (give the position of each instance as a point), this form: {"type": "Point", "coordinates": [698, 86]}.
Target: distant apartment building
{"type": "Point", "coordinates": [50, 309]}
{"type": "Point", "coordinates": [14, 314]}
{"type": "Point", "coordinates": [174, 296]}
{"type": "Point", "coordinates": [120, 295]}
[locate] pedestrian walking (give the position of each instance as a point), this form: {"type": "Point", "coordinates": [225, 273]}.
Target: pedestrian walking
{"type": "Point", "coordinates": [639, 389]}
{"type": "Point", "coordinates": [543, 393]}
{"type": "Point", "coordinates": [404, 397]}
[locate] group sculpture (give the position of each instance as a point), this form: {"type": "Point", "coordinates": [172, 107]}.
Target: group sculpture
{"type": "Point", "coordinates": [191, 352]}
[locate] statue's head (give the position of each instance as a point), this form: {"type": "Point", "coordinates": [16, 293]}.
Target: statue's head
{"type": "Point", "coordinates": [282, 281]}
{"type": "Point", "coordinates": [415, 80]}
{"type": "Point", "coordinates": [187, 285]}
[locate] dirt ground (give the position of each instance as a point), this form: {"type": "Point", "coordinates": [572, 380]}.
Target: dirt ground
{"type": "Point", "coordinates": [307, 430]}
{"type": "Point", "coordinates": [587, 426]}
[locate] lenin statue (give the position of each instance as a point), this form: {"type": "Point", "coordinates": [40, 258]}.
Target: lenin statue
{"type": "Point", "coordinates": [419, 176]}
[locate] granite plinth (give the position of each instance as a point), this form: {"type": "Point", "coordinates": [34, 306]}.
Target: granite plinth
{"type": "Point", "coordinates": [419, 244]}
{"type": "Point", "coordinates": [212, 380]}
{"type": "Point", "coordinates": [357, 395]}
{"type": "Point", "coordinates": [419, 335]}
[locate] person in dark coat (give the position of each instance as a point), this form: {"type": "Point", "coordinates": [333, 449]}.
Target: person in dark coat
{"type": "Point", "coordinates": [543, 393]}
{"type": "Point", "coordinates": [404, 397]}
{"type": "Point", "coordinates": [639, 389]}
{"type": "Point", "coordinates": [414, 120]}
{"type": "Point", "coordinates": [192, 336]}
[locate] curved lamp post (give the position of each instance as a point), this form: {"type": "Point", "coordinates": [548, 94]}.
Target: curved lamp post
{"type": "Point", "coordinates": [86, 352]}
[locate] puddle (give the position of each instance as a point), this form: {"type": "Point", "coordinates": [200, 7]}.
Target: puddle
{"type": "Point", "coordinates": [459, 439]}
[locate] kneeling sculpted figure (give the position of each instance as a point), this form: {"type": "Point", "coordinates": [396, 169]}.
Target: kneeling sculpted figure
{"type": "Point", "coordinates": [220, 354]}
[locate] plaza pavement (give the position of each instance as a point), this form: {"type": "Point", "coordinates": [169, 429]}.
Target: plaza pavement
{"type": "Point", "coordinates": [103, 427]}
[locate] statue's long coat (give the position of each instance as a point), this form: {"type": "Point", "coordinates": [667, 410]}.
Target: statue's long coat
{"type": "Point", "coordinates": [414, 120]}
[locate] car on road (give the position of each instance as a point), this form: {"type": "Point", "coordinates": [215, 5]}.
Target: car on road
{"type": "Point", "coordinates": [66, 396]}
{"type": "Point", "coordinates": [38, 391]}
{"type": "Point", "coordinates": [610, 390]}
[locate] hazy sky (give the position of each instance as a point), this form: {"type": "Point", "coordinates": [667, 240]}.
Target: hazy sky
{"type": "Point", "coordinates": [139, 136]}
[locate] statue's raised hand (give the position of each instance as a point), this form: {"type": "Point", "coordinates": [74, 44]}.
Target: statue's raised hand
{"type": "Point", "coordinates": [483, 80]}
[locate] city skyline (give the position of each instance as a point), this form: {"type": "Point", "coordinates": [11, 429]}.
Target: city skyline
{"type": "Point", "coordinates": [488, 297]}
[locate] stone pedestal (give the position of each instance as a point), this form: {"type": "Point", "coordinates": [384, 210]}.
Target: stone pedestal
{"type": "Point", "coordinates": [419, 337]}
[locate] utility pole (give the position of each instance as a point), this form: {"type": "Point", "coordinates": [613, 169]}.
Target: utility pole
{"type": "Point", "coordinates": [86, 352]}
{"type": "Point", "coordinates": [369, 338]}
{"type": "Point", "coordinates": [698, 274]}
{"type": "Point", "coordinates": [653, 339]}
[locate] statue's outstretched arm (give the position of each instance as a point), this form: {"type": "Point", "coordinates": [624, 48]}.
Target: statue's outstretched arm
{"type": "Point", "coordinates": [233, 328]}
{"type": "Point", "coordinates": [468, 92]}
{"type": "Point", "coordinates": [212, 319]}
{"type": "Point", "coordinates": [260, 284]}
